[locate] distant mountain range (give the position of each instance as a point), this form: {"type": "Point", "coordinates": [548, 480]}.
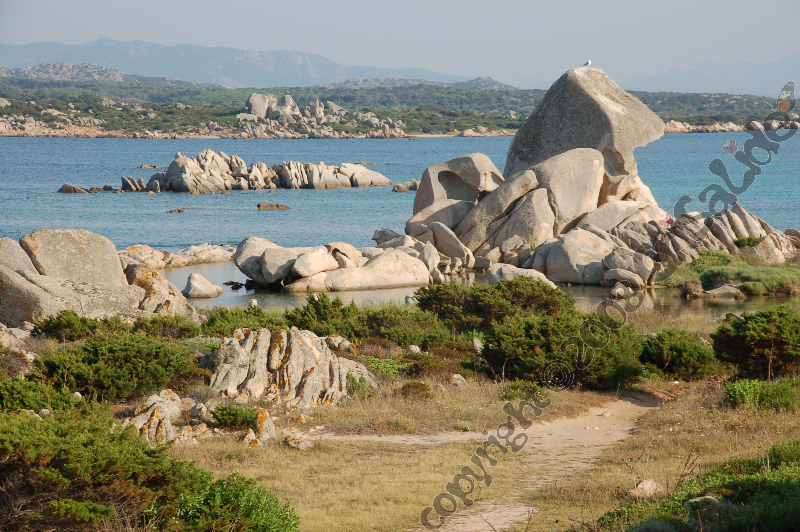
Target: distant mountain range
{"type": "Point", "coordinates": [87, 72]}
{"type": "Point", "coordinates": [739, 78]}
{"type": "Point", "coordinates": [219, 66]}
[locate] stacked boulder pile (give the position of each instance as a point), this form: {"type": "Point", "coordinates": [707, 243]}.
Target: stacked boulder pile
{"type": "Point", "coordinates": [217, 172]}
{"type": "Point", "coordinates": [71, 269]}
{"type": "Point", "coordinates": [570, 203]}
{"type": "Point", "coordinates": [268, 115]}
{"type": "Point", "coordinates": [159, 259]}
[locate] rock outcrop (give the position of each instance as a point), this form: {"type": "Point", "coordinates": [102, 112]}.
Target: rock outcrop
{"type": "Point", "coordinates": [67, 269]}
{"type": "Point", "coordinates": [211, 172]}
{"type": "Point", "coordinates": [290, 367]}
{"type": "Point", "coordinates": [570, 204]}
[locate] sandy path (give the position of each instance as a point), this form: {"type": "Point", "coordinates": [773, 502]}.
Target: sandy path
{"type": "Point", "coordinates": [555, 450]}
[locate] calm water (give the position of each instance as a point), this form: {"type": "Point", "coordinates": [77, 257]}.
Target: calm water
{"type": "Point", "coordinates": [31, 170]}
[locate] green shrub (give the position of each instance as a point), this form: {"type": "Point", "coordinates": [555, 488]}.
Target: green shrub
{"type": "Point", "coordinates": [406, 325]}
{"type": "Point", "coordinates": [679, 353]}
{"type": "Point", "coordinates": [324, 316]}
{"type": "Point", "coordinates": [70, 469]}
{"type": "Point", "coordinates": [775, 279]}
{"type": "Point", "coordinates": [520, 389]}
{"type": "Point", "coordinates": [467, 309]}
{"type": "Point", "coordinates": [747, 242]}
{"type": "Point", "coordinates": [223, 321]}
{"type": "Point", "coordinates": [782, 395]}
{"type": "Point", "coordinates": [753, 288]}
{"type": "Point", "coordinates": [117, 365]}
{"type": "Point", "coordinates": [422, 364]}
{"type": "Point", "coordinates": [359, 387]}
{"type": "Point", "coordinates": [67, 326]}
{"type": "Point", "coordinates": [521, 346]}
{"type": "Point", "coordinates": [33, 395]}
{"type": "Point", "coordinates": [176, 327]}
{"type": "Point", "coordinates": [234, 504]}
{"type": "Point", "coordinates": [761, 345]}
{"type": "Point", "coordinates": [235, 417]}
{"type": "Point", "coordinates": [787, 452]}
{"type": "Point", "coordinates": [416, 390]}
{"type": "Point", "coordinates": [690, 271]}
{"type": "Point", "coordinates": [385, 368]}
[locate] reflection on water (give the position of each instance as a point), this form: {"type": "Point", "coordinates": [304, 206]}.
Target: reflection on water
{"type": "Point", "coordinates": [587, 297]}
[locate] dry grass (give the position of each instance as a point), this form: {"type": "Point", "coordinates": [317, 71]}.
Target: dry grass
{"type": "Point", "coordinates": [372, 485]}
{"type": "Point", "coordinates": [345, 486]}
{"type": "Point", "coordinates": [474, 407]}
{"type": "Point", "coordinates": [672, 444]}
{"type": "Point", "coordinates": [654, 320]}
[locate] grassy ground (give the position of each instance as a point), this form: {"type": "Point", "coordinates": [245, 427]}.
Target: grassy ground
{"type": "Point", "coordinates": [682, 439]}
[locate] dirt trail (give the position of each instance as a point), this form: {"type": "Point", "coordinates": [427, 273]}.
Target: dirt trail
{"type": "Point", "coordinates": [555, 450]}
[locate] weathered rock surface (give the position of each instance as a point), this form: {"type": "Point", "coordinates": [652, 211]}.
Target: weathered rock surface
{"type": "Point", "coordinates": [248, 257]}
{"type": "Point", "coordinates": [13, 257]}
{"type": "Point", "coordinates": [500, 272]}
{"type": "Point", "coordinates": [585, 109]}
{"type": "Point", "coordinates": [292, 367]}
{"type": "Point", "coordinates": [577, 258]}
{"type": "Point", "coordinates": [75, 254]}
{"type": "Point", "coordinates": [200, 287]}
{"type": "Point", "coordinates": [392, 269]}
{"type": "Point", "coordinates": [465, 179]}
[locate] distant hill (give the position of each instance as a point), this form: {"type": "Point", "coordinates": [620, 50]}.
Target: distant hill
{"type": "Point", "coordinates": [739, 78]}
{"type": "Point", "coordinates": [219, 65]}
{"type": "Point", "coordinates": [87, 72]}
{"type": "Point", "coordinates": [484, 83]}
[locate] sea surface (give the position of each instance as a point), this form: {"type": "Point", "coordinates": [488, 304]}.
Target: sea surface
{"type": "Point", "coordinates": [33, 169]}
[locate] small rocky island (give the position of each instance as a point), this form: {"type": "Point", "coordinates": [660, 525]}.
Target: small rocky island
{"type": "Point", "coordinates": [211, 172]}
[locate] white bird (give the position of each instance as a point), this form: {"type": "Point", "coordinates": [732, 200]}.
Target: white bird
{"type": "Point", "coordinates": [588, 63]}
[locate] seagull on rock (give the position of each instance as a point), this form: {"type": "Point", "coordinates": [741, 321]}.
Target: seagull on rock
{"type": "Point", "coordinates": [588, 63]}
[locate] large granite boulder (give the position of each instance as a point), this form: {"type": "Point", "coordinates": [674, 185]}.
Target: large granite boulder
{"type": "Point", "coordinates": [487, 217]}
{"type": "Point", "coordinates": [248, 257]}
{"type": "Point", "coordinates": [28, 296]}
{"type": "Point", "coordinates": [391, 269]}
{"type": "Point", "coordinates": [363, 177]}
{"type": "Point", "coordinates": [573, 180]}
{"type": "Point", "coordinates": [585, 109]}
{"type": "Point", "coordinates": [506, 272]}
{"type": "Point", "coordinates": [314, 262]}
{"type": "Point", "coordinates": [75, 254]}
{"type": "Point", "coordinates": [160, 296]}
{"type": "Point", "coordinates": [610, 215]}
{"type": "Point", "coordinates": [466, 178]}
{"type": "Point", "coordinates": [577, 258]}
{"type": "Point", "coordinates": [257, 104]}
{"type": "Point", "coordinates": [198, 286]}
{"type": "Point", "coordinates": [276, 265]}
{"type": "Point", "coordinates": [532, 220]}
{"type": "Point", "coordinates": [13, 257]}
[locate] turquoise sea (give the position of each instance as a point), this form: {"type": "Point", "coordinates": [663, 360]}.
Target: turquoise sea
{"type": "Point", "coordinates": [33, 169]}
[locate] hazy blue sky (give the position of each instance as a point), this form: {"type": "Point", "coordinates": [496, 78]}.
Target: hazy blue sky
{"type": "Point", "coordinates": [516, 41]}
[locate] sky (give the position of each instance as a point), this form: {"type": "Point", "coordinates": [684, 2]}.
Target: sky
{"type": "Point", "coordinates": [522, 42]}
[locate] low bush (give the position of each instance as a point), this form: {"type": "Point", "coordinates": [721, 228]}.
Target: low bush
{"type": "Point", "coordinates": [467, 309]}
{"type": "Point", "coordinates": [761, 345]}
{"type": "Point", "coordinates": [751, 497]}
{"type": "Point", "coordinates": [359, 388]}
{"type": "Point", "coordinates": [324, 316]}
{"type": "Point", "coordinates": [406, 325]}
{"type": "Point", "coordinates": [520, 390]}
{"type": "Point", "coordinates": [782, 395]}
{"type": "Point", "coordinates": [116, 365]}
{"type": "Point", "coordinates": [753, 288]}
{"type": "Point", "coordinates": [419, 364]}
{"type": "Point", "coordinates": [33, 395]}
{"type": "Point", "coordinates": [67, 326]}
{"type": "Point", "coordinates": [690, 271]}
{"type": "Point", "coordinates": [71, 470]}
{"type": "Point", "coordinates": [747, 242]}
{"type": "Point", "coordinates": [415, 390]}
{"type": "Point", "coordinates": [235, 417]}
{"type": "Point", "coordinates": [679, 353]}
{"type": "Point", "coordinates": [12, 363]}
{"type": "Point", "coordinates": [386, 368]}
{"type": "Point", "coordinates": [175, 327]}
{"type": "Point", "coordinates": [223, 321]}
{"type": "Point", "coordinates": [521, 346]}
{"type": "Point", "coordinates": [775, 279]}
{"type": "Point", "coordinates": [234, 504]}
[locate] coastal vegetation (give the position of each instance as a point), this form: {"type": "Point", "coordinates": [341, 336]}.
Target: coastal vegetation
{"type": "Point", "coordinates": [424, 109]}
{"type": "Point", "coordinates": [520, 323]}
